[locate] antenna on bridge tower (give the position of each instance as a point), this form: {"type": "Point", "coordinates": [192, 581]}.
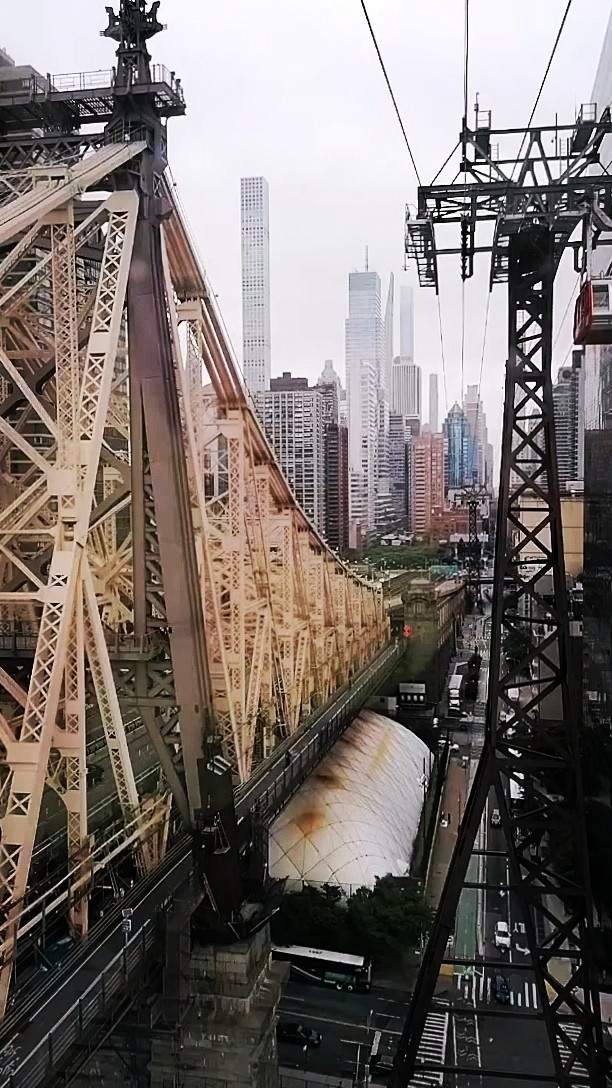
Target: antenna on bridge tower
{"type": "Point", "coordinates": [132, 28]}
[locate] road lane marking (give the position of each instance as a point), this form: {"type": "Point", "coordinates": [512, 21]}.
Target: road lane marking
{"type": "Point", "coordinates": [341, 1023]}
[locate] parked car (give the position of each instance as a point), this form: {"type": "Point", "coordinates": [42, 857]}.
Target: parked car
{"type": "Point", "coordinates": [495, 818]}
{"type": "Point", "coordinates": [501, 936]}
{"type": "Point", "coordinates": [501, 989]}
{"type": "Point", "coordinates": [382, 1065]}
{"type": "Point", "coordinates": [297, 1033]}
{"type": "Point", "coordinates": [55, 953]}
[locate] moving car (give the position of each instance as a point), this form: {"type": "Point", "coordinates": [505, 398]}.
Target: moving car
{"type": "Point", "coordinates": [495, 818]}
{"type": "Point", "coordinates": [501, 937]}
{"type": "Point", "coordinates": [297, 1033]}
{"type": "Point", "coordinates": [501, 989]}
{"type": "Point", "coordinates": [471, 689]}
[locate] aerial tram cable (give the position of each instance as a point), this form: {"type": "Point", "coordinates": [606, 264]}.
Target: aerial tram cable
{"type": "Point", "coordinates": [544, 78]}
{"type": "Point", "coordinates": [566, 310]}
{"type": "Point", "coordinates": [390, 89]}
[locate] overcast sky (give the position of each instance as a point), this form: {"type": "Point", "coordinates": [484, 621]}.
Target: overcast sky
{"type": "Point", "coordinates": [292, 89]}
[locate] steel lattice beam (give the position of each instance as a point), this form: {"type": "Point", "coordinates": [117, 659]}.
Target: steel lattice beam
{"type": "Point", "coordinates": [153, 562]}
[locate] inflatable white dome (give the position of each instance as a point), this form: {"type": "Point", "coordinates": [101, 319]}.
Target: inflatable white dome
{"type": "Point", "coordinates": [357, 815]}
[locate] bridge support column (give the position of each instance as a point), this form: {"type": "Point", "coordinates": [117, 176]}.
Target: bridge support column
{"type": "Point", "coordinates": [228, 1033]}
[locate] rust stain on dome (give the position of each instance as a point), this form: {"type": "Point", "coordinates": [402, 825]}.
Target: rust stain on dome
{"type": "Point", "coordinates": [330, 776]}
{"type": "Point", "coordinates": [309, 820]}
{"type": "Point", "coordinates": [364, 726]}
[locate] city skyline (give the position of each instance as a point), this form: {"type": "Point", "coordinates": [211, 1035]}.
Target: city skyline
{"type": "Point", "coordinates": [330, 166]}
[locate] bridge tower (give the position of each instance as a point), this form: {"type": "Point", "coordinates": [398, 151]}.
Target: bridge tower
{"type": "Point", "coordinates": [168, 614]}
{"type": "Point", "coordinates": [533, 206]}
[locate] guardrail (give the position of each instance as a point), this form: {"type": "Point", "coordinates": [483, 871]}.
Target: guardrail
{"type": "Point", "coordinates": [298, 759]}
{"type": "Point", "coordinates": [94, 1004]}
{"type": "Point", "coordinates": [268, 792]}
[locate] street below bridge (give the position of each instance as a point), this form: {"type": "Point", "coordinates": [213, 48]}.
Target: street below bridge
{"type": "Point", "coordinates": [484, 1033]}
{"type": "Point", "coordinates": [348, 1024]}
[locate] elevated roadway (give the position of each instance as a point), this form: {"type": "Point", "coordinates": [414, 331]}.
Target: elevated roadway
{"type": "Point", "coordinates": [55, 1025]}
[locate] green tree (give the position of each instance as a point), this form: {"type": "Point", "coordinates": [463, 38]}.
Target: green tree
{"type": "Point", "coordinates": [313, 917]}
{"type": "Point", "coordinates": [383, 922]}
{"type": "Point", "coordinates": [388, 920]}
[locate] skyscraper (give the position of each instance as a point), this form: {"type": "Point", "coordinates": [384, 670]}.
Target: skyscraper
{"type": "Point", "coordinates": [336, 460]}
{"type": "Point", "coordinates": [474, 412]}
{"type": "Point", "coordinates": [405, 392]}
{"type": "Point", "coordinates": [364, 361]}
{"type": "Point", "coordinates": [400, 440]}
{"type": "Point", "coordinates": [458, 450]}
{"type": "Point", "coordinates": [255, 244]}
{"type": "Point", "coordinates": [292, 417]}
{"type": "Point", "coordinates": [568, 405]}
{"type": "Point", "coordinates": [336, 487]}
{"type": "Point", "coordinates": [329, 377]}
{"type": "Point", "coordinates": [433, 403]}
{"type": "Point", "coordinates": [427, 479]}
{"type": "Point", "coordinates": [406, 388]}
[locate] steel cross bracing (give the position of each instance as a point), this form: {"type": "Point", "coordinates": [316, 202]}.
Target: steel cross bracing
{"type": "Point", "coordinates": [533, 736]}
{"type": "Point", "coordinates": [154, 564]}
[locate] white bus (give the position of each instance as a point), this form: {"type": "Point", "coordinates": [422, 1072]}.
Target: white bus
{"type": "Point", "coordinates": [330, 968]}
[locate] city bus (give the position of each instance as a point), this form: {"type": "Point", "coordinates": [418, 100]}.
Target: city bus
{"type": "Point", "coordinates": [329, 968]}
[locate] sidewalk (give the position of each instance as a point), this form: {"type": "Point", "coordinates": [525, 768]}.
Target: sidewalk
{"type": "Point", "coordinates": [453, 802]}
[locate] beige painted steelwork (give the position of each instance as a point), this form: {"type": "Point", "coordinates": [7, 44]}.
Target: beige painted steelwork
{"type": "Point", "coordinates": [286, 621]}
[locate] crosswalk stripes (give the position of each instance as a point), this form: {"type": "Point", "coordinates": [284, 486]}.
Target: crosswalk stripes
{"type": "Point", "coordinates": [573, 1030]}
{"type": "Point", "coordinates": [476, 989]}
{"type": "Point", "coordinates": [432, 1048]}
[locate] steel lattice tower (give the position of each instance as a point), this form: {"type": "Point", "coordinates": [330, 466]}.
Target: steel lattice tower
{"type": "Point", "coordinates": [532, 717]}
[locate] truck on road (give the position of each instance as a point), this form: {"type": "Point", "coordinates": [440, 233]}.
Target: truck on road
{"type": "Point", "coordinates": [454, 695]}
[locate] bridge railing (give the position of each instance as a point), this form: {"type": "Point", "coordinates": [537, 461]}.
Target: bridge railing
{"type": "Point", "coordinates": [95, 1003]}
{"type": "Point", "coordinates": [294, 764]}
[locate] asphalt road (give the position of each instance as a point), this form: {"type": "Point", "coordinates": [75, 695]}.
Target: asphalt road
{"type": "Point", "coordinates": [347, 1024]}
{"type": "Point", "coordinates": [483, 1033]}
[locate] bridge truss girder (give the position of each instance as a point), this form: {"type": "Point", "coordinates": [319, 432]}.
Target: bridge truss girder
{"type": "Point", "coordinates": [86, 573]}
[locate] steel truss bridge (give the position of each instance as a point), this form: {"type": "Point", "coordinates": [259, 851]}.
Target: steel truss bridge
{"type": "Point", "coordinates": [154, 563]}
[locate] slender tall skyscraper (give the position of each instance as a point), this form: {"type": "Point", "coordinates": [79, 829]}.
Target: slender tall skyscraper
{"type": "Point", "coordinates": [364, 361]}
{"type": "Point", "coordinates": [433, 403]}
{"type": "Point", "coordinates": [255, 237]}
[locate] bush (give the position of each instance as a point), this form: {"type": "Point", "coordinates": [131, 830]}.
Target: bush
{"type": "Point", "coordinates": [383, 922]}
{"type": "Point", "coordinates": [387, 920]}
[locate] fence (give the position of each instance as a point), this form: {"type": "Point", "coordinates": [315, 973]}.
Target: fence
{"type": "Point", "coordinates": [95, 1003]}
{"type": "Point", "coordinates": [297, 1078]}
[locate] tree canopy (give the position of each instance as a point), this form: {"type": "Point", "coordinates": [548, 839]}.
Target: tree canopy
{"type": "Point", "coordinates": [383, 922]}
